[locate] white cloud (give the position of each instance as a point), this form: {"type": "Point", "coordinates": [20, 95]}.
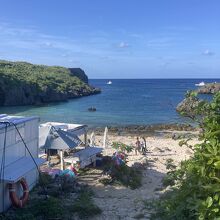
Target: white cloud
{"type": "Point", "coordinates": [48, 44]}
{"type": "Point", "coordinates": [207, 52]}
{"type": "Point", "coordinates": [123, 45]}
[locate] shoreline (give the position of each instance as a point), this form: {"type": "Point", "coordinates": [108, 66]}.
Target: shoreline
{"type": "Point", "coordinates": [149, 130]}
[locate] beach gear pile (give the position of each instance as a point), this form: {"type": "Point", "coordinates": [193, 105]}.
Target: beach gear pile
{"type": "Point", "coordinates": [68, 172]}
{"type": "Point", "coordinates": [117, 171]}
{"type": "Point", "coordinates": [71, 172]}
{"type": "Point", "coordinates": [118, 158]}
{"type": "Point", "coordinates": [56, 182]}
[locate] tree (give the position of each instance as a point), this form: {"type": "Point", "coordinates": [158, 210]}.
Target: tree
{"type": "Point", "coordinates": [196, 190]}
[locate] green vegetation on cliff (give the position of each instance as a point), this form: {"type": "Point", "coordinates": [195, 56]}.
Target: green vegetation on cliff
{"type": "Point", "coordinates": [23, 83]}
{"type": "Point", "coordinates": [194, 191]}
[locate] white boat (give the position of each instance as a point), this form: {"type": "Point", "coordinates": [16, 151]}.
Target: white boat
{"type": "Point", "coordinates": [109, 82]}
{"type": "Point", "coordinates": [200, 84]}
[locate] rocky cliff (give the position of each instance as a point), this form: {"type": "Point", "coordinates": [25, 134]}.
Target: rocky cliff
{"type": "Point", "coordinates": [23, 83]}
{"type": "Point", "coordinates": [78, 72]}
{"type": "Point", "coordinates": [191, 103]}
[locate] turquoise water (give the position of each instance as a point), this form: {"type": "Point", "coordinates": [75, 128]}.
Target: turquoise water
{"type": "Point", "coordinates": [125, 102]}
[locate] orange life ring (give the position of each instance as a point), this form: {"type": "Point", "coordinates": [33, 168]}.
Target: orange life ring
{"type": "Point", "coordinates": [19, 203]}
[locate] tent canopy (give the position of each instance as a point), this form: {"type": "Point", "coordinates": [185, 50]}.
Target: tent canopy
{"type": "Point", "coordinates": [60, 136]}
{"type": "Point", "coordinates": [77, 129]}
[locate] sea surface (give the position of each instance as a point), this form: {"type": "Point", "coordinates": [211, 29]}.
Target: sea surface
{"type": "Point", "coordinates": [124, 102]}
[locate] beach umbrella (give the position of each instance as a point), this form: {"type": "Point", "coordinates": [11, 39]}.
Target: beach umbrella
{"type": "Point", "coordinates": [58, 139]}
{"type": "Point", "coordinates": [61, 140]}
{"type": "Point", "coordinates": [105, 138]}
{"type": "Point", "coordinates": [92, 139]}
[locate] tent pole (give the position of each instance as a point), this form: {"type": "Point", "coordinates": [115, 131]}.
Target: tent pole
{"type": "Point", "coordinates": [61, 160]}
{"type": "Point", "coordinates": [85, 138]}
{"type": "Point", "coordinates": [105, 138]}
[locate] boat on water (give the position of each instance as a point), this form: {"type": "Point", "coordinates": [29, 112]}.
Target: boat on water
{"type": "Point", "coordinates": [109, 82]}
{"type": "Point", "coordinates": [92, 109]}
{"type": "Point", "coordinates": [200, 84]}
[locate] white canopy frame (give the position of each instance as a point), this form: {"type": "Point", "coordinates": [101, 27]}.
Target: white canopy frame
{"type": "Point", "coordinates": [74, 129]}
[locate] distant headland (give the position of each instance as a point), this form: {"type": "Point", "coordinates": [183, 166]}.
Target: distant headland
{"type": "Point", "coordinates": [209, 88]}
{"type": "Point", "coordinates": [23, 83]}
{"type": "Point", "coordinates": [191, 101]}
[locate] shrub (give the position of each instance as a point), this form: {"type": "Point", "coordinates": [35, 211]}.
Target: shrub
{"type": "Point", "coordinates": [40, 208]}
{"type": "Point", "coordinates": [122, 174]}
{"type": "Point", "coordinates": [57, 186]}
{"type": "Point", "coordinates": [122, 147]}
{"type": "Point", "coordinates": [45, 179]}
{"type": "Point", "coordinates": [196, 194]}
{"type": "Point", "coordinates": [127, 176]}
{"type": "Point", "coordinates": [19, 216]}
{"type": "Point", "coordinates": [67, 184]}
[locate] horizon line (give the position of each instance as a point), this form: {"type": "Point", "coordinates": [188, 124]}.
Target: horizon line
{"type": "Point", "coordinates": [153, 78]}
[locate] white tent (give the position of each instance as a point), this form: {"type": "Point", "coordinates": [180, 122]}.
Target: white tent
{"type": "Point", "coordinates": [61, 136]}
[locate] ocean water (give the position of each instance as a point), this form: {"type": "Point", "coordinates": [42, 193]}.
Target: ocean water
{"type": "Point", "coordinates": [124, 102]}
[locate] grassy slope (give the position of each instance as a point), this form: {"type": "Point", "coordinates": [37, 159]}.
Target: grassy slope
{"type": "Point", "coordinates": [41, 79]}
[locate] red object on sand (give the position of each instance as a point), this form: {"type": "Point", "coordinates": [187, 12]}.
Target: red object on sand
{"type": "Point", "coordinates": [74, 170]}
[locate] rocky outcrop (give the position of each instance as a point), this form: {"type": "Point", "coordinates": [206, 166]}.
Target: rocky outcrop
{"type": "Point", "coordinates": [210, 88]}
{"type": "Point", "coordinates": [78, 72]}
{"type": "Point", "coordinates": [188, 105]}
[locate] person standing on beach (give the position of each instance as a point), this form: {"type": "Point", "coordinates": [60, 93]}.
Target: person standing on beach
{"type": "Point", "coordinates": [137, 146]}
{"type": "Point", "coordinates": [143, 146]}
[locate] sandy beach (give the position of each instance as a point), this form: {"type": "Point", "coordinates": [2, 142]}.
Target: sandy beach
{"type": "Point", "coordinates": [119, 202]}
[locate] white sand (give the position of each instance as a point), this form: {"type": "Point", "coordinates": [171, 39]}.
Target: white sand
{"type": "Point", "coordinates": [118, 202]}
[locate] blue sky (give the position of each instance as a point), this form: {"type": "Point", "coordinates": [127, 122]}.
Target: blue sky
{"type": "Point", "coordinates": [115, 38]}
